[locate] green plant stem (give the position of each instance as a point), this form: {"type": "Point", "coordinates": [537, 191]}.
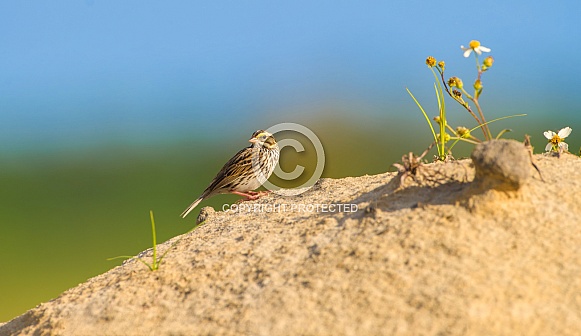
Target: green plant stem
{"type": "Point", "coordinates": [487, 135]}
{"type": "Point", "coordinates": [477, 96]}
{"type": "Point", "coordinates": [467, 95]}
{"type": "Point", "coordinates": [481, 125]}
{"type": "Point", "coordinates": [463, 139]}
{"type": "Point", "coordinates": [502, 132]}
{"type": "Point", "coordinates": [443, 121]}
{"type": "Point", "coordinates": [475, 138]}
{"type": "Point", "coordinates": [154, 264]}
{"type": "Point", "coordinates": [451, 129]}
{"type": "Point", "coordinates": [425, 116]}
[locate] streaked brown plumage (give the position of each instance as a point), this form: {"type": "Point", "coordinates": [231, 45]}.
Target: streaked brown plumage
{"type": "Point", "coordinates": [245, 171]}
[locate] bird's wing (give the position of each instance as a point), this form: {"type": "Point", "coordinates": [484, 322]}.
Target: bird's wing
{"type": "Point", "coordinates": [239, 164]}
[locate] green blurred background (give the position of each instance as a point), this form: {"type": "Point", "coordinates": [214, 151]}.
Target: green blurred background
{"type": "Point", "coordinates": [111, 109]}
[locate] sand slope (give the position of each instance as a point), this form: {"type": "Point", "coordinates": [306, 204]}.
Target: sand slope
{"type": "Point", "coordinates": [439, 257]}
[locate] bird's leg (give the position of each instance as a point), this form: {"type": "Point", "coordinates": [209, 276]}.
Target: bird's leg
{"type": "Point", "coordinates": [259, 193]}
{"type": "Point", "coordinates": [248, 196]}
{"type": "Point", "coordinates": [251, 195]}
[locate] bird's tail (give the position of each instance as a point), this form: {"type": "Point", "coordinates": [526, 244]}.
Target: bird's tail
{"type": "Point", "coordinates": [191, 207]}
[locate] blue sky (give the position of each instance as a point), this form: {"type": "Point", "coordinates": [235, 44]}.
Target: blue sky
{"type": "Point", "coordinates": [82, 72]}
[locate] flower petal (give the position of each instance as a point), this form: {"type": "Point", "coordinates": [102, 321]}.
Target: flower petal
{"type": "Point", "coordinates": [549, 134]}
{"type": "Point", "coordinates": [467, 52]}
{"type": "Point", "coordinates": [548, 147]}
{"type": "Point", "coordinates": [564, 132]}
{"type": "Point", "coordinates": [564, 146]}
{"type": "Point", "coordinates": [482, 48]}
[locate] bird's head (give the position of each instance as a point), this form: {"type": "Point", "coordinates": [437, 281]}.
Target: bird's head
{"type": "Point", "coordinates": [264, 138]}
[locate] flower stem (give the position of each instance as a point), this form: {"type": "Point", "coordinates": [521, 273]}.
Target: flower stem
{"type": "Point", "coordinates": [485, 128]}
{"type": "Point", "coordinates": [466, 106]}
{"type": "Point", "coordinates": [154, 264]}
{"type": "Point", "coordinates": [487, 134]}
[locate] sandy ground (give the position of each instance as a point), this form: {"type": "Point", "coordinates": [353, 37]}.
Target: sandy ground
{"type": "Point", "coordinates": [438, 256]}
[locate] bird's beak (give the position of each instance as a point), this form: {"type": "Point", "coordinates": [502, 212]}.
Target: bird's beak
{"type": "Point", "coordinates": [253, 140]}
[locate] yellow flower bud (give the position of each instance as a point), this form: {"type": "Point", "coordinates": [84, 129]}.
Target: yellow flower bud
{"type": "Point", "coordinates": [455, 82]}
{"type": "Point", "coordinates": [463, 132]}
{"type": "Point", "coordinates": [430, 61]}
{"type": "Point", "coordinates": [488, 61]}
{"type": "Point", "coordinates": [457, 94]}
{"type": "Point", "coordinates": [437, 119]}
{"type": "Point", "coordinates": [446, 137]}
{"type": "Point", "coordinates": [478, 85]}
{"type": "Point", "coordinates": [442, 65]}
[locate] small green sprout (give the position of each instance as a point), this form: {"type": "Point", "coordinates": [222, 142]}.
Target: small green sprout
{"type": "Point", "coordinates": [155, 261]}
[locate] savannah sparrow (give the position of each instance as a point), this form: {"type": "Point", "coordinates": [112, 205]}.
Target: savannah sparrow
{"type": "Point", "coordinates": [246, 171]}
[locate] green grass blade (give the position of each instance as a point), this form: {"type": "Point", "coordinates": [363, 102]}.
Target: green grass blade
{"type": "Point", "coordinates": [147, 264]}
{"type": "Point", "coordinates": [425, 116]}
{"type": "Point", "coordinates": [129, 257]}
{"type": "Point", "coordinates": [506, 130]}
{"type": "Point", "coordinates": [488, 122]}
{"type": "Point", "coordinates": [443, 121]}
{"type": "Point", "coordinates": [154, 264]}
{"type": "Point", "coordinates": [497, 119]}
{"type": "Point", "coordinates": [120, 257]}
